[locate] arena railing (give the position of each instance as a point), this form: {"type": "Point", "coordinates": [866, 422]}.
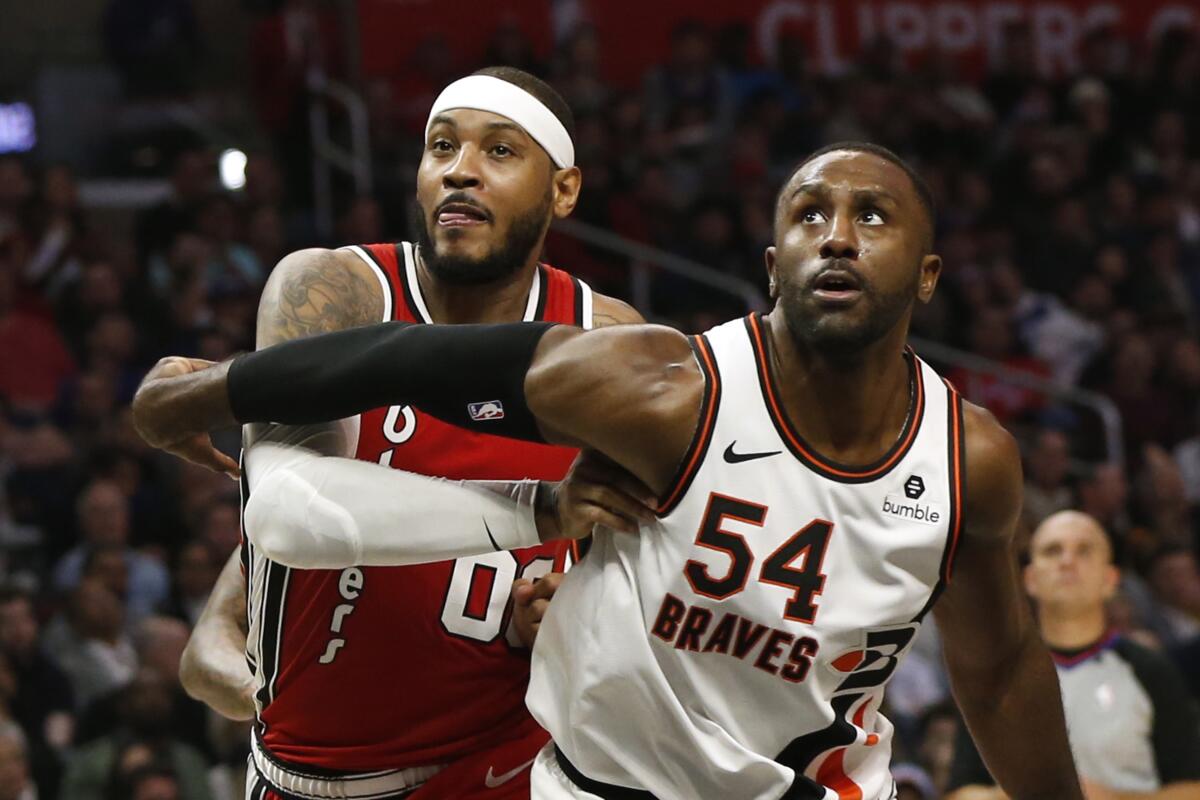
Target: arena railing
{"type": "Point", "coordinates": [1103, 407]}
{"type": "Point", "coordinates": [645, 259]}
{"type": "Point", "coordinates": [355, 161]}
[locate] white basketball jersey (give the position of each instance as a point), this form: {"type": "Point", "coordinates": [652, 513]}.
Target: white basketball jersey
{"type": "Point", "coordinates": [738, 646]}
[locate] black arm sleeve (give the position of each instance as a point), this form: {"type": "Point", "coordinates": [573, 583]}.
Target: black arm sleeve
{"type": "Point", "coordinates": [1176, 732]}
{"type": "Point", "coordinates": [472, 376]}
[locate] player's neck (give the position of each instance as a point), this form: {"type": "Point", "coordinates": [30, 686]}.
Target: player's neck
{"type": "Point", "coordinates": [503, 300]}
{"type": "Point", "coordinates": [851, 410]}
{"type": "Point", "coordinates": [1072, 631]}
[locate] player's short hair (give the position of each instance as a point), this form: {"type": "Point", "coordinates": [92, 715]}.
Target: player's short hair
{"type": "Point", "coordinates": [546, 94]}
{"type": "Point", "coordinates": [924, 193]}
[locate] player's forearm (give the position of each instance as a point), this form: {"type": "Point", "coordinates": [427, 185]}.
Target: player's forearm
{"type": "Point", "coordinates": [319, 512]}
{"type": "Point", "coordinates": [469, 375]}
{"type": "Point", "coordinates": [1014, 711]}
{"type": "Point", "coordinates": [213, 670]}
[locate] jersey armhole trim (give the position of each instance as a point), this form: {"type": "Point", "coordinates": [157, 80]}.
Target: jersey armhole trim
{"type": "Point", "coordinates": [696, 451]}
{"type": "Point", "coordinates": [389, 302]}
{"type": "Point", "coordinates": [583, 304]}
{"type": "Point", "coordinates": [957, 462]}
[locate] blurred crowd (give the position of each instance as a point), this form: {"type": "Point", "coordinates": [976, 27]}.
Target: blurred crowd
{"type": "Point", "coordinates": [1069, 223]}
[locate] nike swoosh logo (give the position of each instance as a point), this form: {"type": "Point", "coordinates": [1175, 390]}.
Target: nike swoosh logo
{"type": "Point", "coordinates": [492, 781]}
{"type": "Point", "coordinates": [737, 458]}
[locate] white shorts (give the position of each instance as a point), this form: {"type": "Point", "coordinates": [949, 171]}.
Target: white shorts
{"type": "Point", "coordinates": [547, 781]}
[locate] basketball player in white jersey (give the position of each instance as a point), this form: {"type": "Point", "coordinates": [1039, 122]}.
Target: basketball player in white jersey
{"type": "Point", "coordinates": [819, 487]}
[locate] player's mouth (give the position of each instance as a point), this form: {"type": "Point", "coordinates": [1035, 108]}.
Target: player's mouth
{"type": "Point", "coordinates": [837, 287]}
{"type": "Point", "coordinates": [461, 215]}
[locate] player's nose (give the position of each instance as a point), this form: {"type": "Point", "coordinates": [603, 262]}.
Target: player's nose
{"type": "Point", "coordinates": [840, 241]}
{"type": "Point", "coordinates": [463, 172]}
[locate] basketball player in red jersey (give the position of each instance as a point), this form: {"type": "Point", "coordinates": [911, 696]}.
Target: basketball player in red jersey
{"type": "Point", "coordinates": [409, 681]}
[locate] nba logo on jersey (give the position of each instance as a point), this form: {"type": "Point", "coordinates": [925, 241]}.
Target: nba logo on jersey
{"type": "Point", "coordinates": [488, 409]}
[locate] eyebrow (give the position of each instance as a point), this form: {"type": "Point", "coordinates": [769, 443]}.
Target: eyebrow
{"type": "Point", "coordinates": [861, 196]}
{"type": "Point", "coordinates": [445, 119]}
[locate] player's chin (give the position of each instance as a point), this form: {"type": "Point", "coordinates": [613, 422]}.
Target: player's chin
{"type": "Point", "coordinates": [472, 242]}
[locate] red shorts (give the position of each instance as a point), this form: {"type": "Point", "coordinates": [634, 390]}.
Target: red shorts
{"type": "Point", "coordinates": [500, 772]}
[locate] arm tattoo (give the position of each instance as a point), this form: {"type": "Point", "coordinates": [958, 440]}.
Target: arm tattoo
{"type": "Point", "coordinates": [321, 295]}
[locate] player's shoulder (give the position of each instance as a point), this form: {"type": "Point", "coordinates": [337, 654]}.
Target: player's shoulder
{"type": "Point", "coordinates": [992, 466]}
{"type": "Point", "coordinates": [607, 311]}
{"type": "Point", "coordinates": [315, 291]}
{"type": "Point", "coordinates": [319, 262]}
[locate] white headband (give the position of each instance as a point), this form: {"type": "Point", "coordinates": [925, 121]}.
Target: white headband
{"type": "Point", "coordinates": [485, 93]}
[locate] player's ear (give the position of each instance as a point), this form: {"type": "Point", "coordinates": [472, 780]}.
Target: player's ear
{"type": "Point", "coordinates": [931, 269]}
{"type": "Point", "coordinates": [1112, 581]}
{"type": "Point", "coordinates": [772, 280]}
{"type": "Point", "coordinates": [567, 183]}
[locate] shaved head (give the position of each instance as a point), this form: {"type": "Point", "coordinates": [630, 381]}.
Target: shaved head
{"type": "Point", "coordinates": [1077, 522]}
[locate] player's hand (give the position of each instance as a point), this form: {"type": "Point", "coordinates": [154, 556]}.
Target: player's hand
{"type": "Point", "coordinates": [599, 492]}
{"type": "Point", "coordinates": [160, 426]}
{"type": "Point", "coordinates": [530, 601]}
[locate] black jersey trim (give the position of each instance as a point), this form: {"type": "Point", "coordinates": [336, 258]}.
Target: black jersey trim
{"type": "Point", "coordinates": [694, 457]}
{"type": "Point", "coordinates": [956, 461]}
{"type": "Point", "coordinates": [388, 283]}
{"type": "Point", "coordinates": [828, 468]}
{"type": "Point", "coordinates": [606, 791]}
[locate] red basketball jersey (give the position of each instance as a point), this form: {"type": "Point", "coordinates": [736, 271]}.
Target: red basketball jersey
{"type": "Point", "coordinates": [380, 668]}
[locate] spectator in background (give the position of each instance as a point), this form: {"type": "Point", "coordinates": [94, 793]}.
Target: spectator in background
{"type": "Point", "coordinates": [56, 228]}
{"type": "Point", "coordinates": [232, 267]}
{"type": "Point", "coordinates": [152, 782]}
{"type": "Point", "coordinates": [193, 176]}
{"type": "Point", "coordinates": [143, 737]}
{"type": "Point", "coordinates": [196, 569]}
{"type": "Point", "coordinates": [90, 645]}
{"type": "Point", "coordinates": [159, 644]}
{"type": "Point", "coordinates": [1132, 725]}
{"type": "Point", "coordinates": [1104, 496]}
{"type": "Point", "coordinates": [689, 102]}
{"type": "Point", "coordinates": [103, 521]}
{"type": "Point", "coordinates": [1175, 580]}
{"type": "Point", "coordinates": [15, 780]}
{"type": "Point", "coordinates": [1046, 489]}
{"type": "Point", "coordinates": [36, 361]}
{"type": "Point", "coordinates": [43, 702]}
{"type": "Point", "coordinates": [993, 337]}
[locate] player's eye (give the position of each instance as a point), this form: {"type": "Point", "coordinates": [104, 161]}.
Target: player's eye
{"type": "Point", "coordinates": [441, 146]}
{"type": "Point", "coordinates": [502, 150]}
{"type": "Point", "coordinates": [871, 217]}
{"type": "Point", "coordinates": [811, 216]}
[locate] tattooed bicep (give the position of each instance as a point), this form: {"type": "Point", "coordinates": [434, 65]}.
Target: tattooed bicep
{"type": "Point", "coordinates": [317, 291]}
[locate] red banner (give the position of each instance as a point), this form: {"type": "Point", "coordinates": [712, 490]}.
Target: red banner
{"type": "Point", "coordinates": [636, 35]}
{"type": "Point", "coordinates": [394, 32]}
{"type": "Point", "coordinates": [834, 32]}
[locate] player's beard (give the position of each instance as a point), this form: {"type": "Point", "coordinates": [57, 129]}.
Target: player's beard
{"type": "Point", "coordinates": [524, 235]}
{"type": "Point", "coordinates": [837, 332]}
